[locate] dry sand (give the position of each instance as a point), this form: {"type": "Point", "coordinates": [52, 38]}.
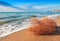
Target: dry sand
{"type": "Point", "coordinates": [58, 21]}
{"type": "Point", "coordinates": [28, 36]}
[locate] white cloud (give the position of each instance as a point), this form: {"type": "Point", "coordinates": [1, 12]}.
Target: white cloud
{"type": "Point", "coordinates": [35, 8]}
{"type": "Point", "coordinates": [29, 8]}
{"type": "Point", "coordinates": [38, 7]}
{"type": "Point", "coordinates": [9, 9]}
{"type": "Point", "coordinates": [24, 7]}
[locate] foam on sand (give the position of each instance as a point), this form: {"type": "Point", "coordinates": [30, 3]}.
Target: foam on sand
{"type": "Point", "coordinates": [7, 29]}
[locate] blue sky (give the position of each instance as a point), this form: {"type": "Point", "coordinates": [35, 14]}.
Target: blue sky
{"type": "Point", "coordinates": [33, 2]}
{"type": "Point", "coordinates": [31, 5]}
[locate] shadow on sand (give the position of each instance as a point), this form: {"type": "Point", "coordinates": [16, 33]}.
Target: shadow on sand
{"type": "Point", "coordinates": [57, 32]}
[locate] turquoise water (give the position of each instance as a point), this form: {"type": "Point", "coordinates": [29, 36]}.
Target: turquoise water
{"type": "Point", "coordinates": [22, 23]}
{"type": "Point", "coordinates": [19, 15]}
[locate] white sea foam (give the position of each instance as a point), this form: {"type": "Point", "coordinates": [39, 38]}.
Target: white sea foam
{"type": "Point", "coordinates": [7, 29]}
{"type": "Point", "coordinates": [54, 16]}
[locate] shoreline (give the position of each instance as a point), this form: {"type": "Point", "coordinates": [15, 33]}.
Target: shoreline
{"type": "Point", "coordinates": [24, 35]}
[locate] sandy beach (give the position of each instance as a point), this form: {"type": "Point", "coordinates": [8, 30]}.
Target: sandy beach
{"type": "Point", "coordinates": [25, 35]}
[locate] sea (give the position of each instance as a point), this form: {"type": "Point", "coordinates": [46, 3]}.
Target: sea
{"type": "Point", "coordinates": [22, 22]}
{"type": "Point", "coordinates": [19, 15]}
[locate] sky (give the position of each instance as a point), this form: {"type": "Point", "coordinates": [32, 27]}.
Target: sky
{"type": "Point", "coordinates": [28, 5]}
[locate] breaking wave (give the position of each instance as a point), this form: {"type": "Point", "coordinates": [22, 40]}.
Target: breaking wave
{"type": "Point", "coordinates": [23, 23]}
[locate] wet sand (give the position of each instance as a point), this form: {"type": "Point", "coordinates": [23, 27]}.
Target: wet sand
{"type": "Point", "coordinates": [25, 35]}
